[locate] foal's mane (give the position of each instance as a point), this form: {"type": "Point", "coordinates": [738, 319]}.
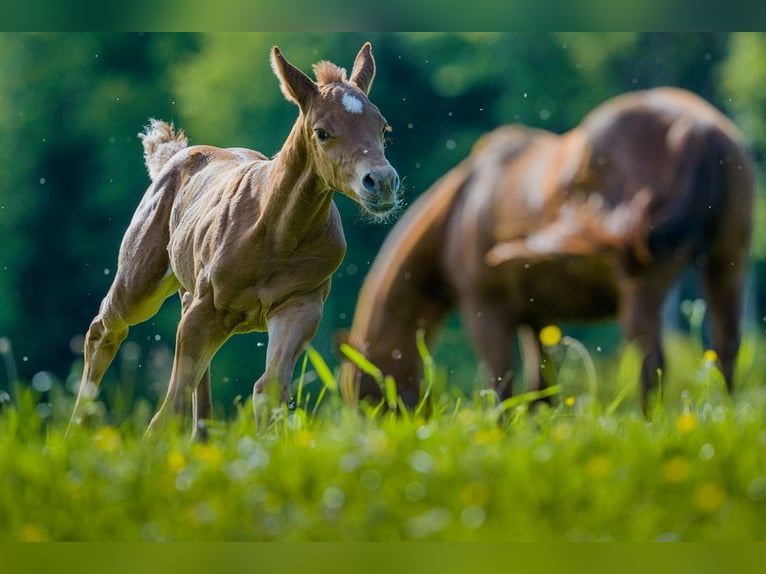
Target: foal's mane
{"type": "Point", "coordinates": [328, 73]}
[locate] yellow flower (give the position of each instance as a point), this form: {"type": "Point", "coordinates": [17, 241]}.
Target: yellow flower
{"type": "Point", "coordinates": [107, 439]}
{"type": "Point", "coordinates": [209, 453]}
{"type": "Point", "coordinates": [710, 356]}
{"type": "Point", "coordinates": [175, 460]}
{"type": "Point", "coordinates": [676, 470]}
{"type": "Point", "coordinates": [598, 467]}
{"type": "Point", "coordinates": [33, 533]}
{"type": "Point", "coordinates": [485, 436]}
{"type": "Point", "coordinates": [550, 336]}
{"type": "Point", "coordinates": [686, 422]}
{"type": "Point", "coordinates": [569, 401]}
{"type": "Point", "coordinates": [304, 438]}
{"type": "Point", "coordinates": [709, 497]}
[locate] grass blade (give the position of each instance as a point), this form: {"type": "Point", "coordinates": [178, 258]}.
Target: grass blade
{"type": "Point", "coordinates": [323, 371]}
{"type": "Point", "coordinates": [390, 387]}
{"type": "Point", "coordinates": [428, 368]}
{"type": "Point", "coordinates": [529, 397]}
{"type": "Point", "coordinates": [299, 392]}
{"type": "Point", "coordinates": [627, 388]}
{"type": "Point", "coordinates": [362, 362]}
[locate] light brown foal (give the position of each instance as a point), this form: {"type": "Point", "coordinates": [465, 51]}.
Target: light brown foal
{"type": "Point", "coordinates": [250, 243]}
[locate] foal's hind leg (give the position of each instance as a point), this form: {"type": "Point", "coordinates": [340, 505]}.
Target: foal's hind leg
{"type": "Point", "coordinates": [202, 406]}
{"type": "Point", "coordinates": [202, 400]}
{"type": "Point", "coordinates": [134, 297]}
{"type": "Point", "coordinates": [142, 282]}
{"type": "Point", "coordinates": [105, 334]}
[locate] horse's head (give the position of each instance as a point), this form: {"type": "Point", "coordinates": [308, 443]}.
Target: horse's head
{"type": "Point", "coordinates": [343, 131]}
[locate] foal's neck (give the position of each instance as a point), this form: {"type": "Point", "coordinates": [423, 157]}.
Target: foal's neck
{"type": "Point", "coordinates": [299, 200]}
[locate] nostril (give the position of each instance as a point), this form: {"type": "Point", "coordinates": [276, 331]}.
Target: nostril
{"type": "Point", "coordinates": [369, 183]}
{"type": "Point", "coordinates": [396, 183]}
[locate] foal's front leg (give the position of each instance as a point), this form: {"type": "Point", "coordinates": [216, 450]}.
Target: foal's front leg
{"type": "Point", "coordinates": [290, 329]}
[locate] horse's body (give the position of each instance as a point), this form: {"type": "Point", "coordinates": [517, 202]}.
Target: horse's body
{"type": "Point", "coordinates": [250, 243]}
{"type": "Point", "coordinates": [535, 228]}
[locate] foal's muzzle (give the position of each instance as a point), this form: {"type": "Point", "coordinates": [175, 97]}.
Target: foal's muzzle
{"type": "Point", "coordinates": [381, 186]}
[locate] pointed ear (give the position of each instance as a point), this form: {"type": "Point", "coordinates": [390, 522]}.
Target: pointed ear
{"type": "Point", "coordinates": [296, 86]}
{"type": "Point", "coordinates": [364, 69]}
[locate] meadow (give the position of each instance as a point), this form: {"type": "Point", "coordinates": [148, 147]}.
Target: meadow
{"type": "Point", "coordinates": [584, 465]}
{"type": "Point", "coordinates": [580, 462]}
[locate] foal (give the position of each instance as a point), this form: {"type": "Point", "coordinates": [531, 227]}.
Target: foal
{"type": "Point", "coordinates": [249, 243]}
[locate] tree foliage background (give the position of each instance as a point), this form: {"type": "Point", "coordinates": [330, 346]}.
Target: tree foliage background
{"type": "Point", "coordinates": [72, 172]}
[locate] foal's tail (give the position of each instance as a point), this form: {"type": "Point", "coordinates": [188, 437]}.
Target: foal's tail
{"type": "Point", "coordinates": [161, 142]}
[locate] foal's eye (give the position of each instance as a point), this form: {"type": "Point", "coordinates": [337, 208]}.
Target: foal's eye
{"type": "Point", "coordinates": [322, 135]}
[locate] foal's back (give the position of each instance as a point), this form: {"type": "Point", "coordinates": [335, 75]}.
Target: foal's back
{"type": "Point", "coordinates": [207, 185]}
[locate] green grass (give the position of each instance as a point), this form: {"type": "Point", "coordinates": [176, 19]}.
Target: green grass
{"type": "Point", "coordinates": [589, 467]}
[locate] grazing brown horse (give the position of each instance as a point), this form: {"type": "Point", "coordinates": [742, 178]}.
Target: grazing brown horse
{"type": "Point", "coordinates": [250, 243]}
{"type": "Point", "coordinates": [535, 228]}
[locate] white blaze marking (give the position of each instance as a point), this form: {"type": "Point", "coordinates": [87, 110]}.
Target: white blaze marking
{"type": "Point", "coordinates": [352, 104]}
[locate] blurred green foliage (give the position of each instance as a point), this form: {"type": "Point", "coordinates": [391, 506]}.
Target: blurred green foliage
{"type": "Point", "coordinates": [72, 104]}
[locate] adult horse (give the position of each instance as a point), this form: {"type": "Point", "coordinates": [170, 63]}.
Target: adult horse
{"type": "Point", "coordinates": [250, 243]}
{"type": "Point", "coordinates": [535, 228]}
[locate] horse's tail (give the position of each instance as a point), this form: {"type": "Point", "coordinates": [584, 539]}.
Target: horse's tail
{"type": "Point", "coordinates": [705, 156]}
{"type": "Point", "coordinates": [161, 142]}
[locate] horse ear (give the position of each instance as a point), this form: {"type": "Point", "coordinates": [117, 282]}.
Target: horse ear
{"type": "Point", "coordinates": [364, 69]}
{"type": "Point", "coordinates": [296, 86]}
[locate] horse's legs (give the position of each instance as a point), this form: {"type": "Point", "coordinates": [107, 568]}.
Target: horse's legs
{"type": "Point", "coordinates": [200, 334]}
{"type": "Point", "coordinates": [135, 295]}
{"type": "Point", "coordinates": [106, 333]}
{"type": "Point", "coordinates": [533, 357]}
{"type": "Point", "coordinates": [202, 400]}
{"type": "Point", "coordinates": [290, 330]}
{"type": "Point", "coordinates": [202, 406]}
{"type": "Point", "coordinates": [488, 328]}
{"type": "Point", "coordinates": [641, 299]}
{"type": "Point", "coordinates": [724, 284]}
